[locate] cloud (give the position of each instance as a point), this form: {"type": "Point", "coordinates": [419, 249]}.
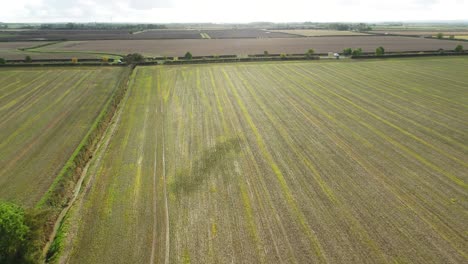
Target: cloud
{"type": "Point", "coordinates": [165, 11]}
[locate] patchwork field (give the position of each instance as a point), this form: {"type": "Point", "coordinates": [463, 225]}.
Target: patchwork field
{"type": "Point", "coordinates": [206, 47]}
{"type": "Point", "coordinates": [44, 114]}
{"type": "Point", "coordinates": [353, 162]}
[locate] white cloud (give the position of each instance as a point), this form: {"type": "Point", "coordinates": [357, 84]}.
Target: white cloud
{"type": "Point", "coordinates": [163, 11]}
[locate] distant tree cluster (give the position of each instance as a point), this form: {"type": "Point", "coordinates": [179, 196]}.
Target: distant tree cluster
{"type": "Point", "coordinates": [134, 58]}
{"type": "Point", "coordinates": [353, 52]}
{"type": "Point", "coordinates": [101, 26]}
{"type": "Point", "coordinates": [353, 27]}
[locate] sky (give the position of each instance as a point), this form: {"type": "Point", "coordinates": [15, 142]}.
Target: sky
{"type": "Point", "coordinates": [233, 11]}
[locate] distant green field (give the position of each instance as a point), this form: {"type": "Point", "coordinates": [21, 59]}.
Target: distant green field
{"type": "Point", "coordinates": [44, 114]}
{"type": "Point", "coordinates": [337, 162]}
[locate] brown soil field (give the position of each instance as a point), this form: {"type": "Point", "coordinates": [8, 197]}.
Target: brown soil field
{"type": "Point", "coordinates": [205, 47]}
{"type": "Point", "coordinates": [320, 32]}
{"type": "Point", "coordinates": [421, 32]}
{"type": "Point", "coordinates": [247, 33]}
{"type": "Point", "coordinates": [54, 35]}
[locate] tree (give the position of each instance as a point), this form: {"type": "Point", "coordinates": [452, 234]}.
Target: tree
{"type": "Point", "coordinates": [459, 48]}
{"type": "Point", "coordinates": [188, 55]}
{"type": "Point", "coordinates": [347, 51]}
{"type": "Point", "coordinates": [310, 53]}
{"type": "Point", "coordinates": [13, 231]}
{"type": "Point", "coordinates": [28, 59]}
{"type": "Point", "coordinates": [380, 51]}
{"type": "Point", "coordinates": [134, 58]}
{"type": "Point", "coordinates": [265, 53]}
{"type": "Point", "coordinates": [451, 37]}
{"type": "Point", "coordinates": [440, 35]}
{"type": "Point", "coordinates": [74, 60]}
{"type": "Point", "coordinates": [2, 61]}
{"type": "Point", "coordinates": [283, 56]}
{"type": "Point", "coordinates": [357, 52]}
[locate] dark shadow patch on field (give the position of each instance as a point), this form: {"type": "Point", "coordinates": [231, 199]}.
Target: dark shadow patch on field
{"type": "Point", "coordinates": [189, 179]}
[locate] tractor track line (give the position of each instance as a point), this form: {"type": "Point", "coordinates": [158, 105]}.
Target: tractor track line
{"type": "Point", "coordinates": [166, 258]}
{"type": "Point", "coordinates": [154, 196]}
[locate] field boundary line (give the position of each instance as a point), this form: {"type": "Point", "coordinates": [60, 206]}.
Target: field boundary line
{"type": "Point", "coordinates": [100, 119]}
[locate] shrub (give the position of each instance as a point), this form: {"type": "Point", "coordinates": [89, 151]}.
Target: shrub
{"type": "Point", "coordinates": [28, 59]}
{"type": "Point", "coordinates": [188, 55]}
{"type": "Point", "coordinates": [459, 48]}
{"type": "Point", "coordinates": [216, 56]}
{"type": "Point", "coordinates": [379, 51]}
{"type": "Point", "coordinates": [357, 52]}
{"type": "Point", "coordinates": [440, 35]}
{"type": "Point", "coordinates": [13, 231]}
{"type": "Point", "coordinates": [451, 37]}
{"type": "Point", "coordinates": [347, 51]}
{"type": "Point", "coordinates": [2, 61]}
{"type": "Point", "coordinates": [105, 59]}
{"type": "Point", "coordinates": [283, 56]}
{"type": "Point", "coordinates": [134, 58]}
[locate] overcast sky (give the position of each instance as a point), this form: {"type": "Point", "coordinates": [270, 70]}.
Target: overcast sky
{"type": "Point", "coordinates": [168, 11]}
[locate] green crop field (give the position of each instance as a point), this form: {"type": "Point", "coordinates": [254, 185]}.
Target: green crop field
{"type": "Point", "coordinates": [338, 162]}
{"type": "Point", "coordinates": [44, 114]}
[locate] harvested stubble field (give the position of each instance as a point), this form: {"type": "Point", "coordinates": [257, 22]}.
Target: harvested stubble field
{"type": "Point", "coordinates": [44, 114]}
{"type": "Point", "coordinates": [356, 162]}
{"type": "Point", "coordinates": [206, 47]}
{"type": "Point", "coordinates": [320, 32]}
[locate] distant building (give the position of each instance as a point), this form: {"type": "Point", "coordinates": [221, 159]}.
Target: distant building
{"type": "Point", "coordinates": [336, 55]}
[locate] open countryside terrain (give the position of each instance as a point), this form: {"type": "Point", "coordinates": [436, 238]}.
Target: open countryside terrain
{"type": "Point", "coordinates": [353, 162]}
{"type": "Point", "coordinates": [44, 114]}
{"type": "Point", "coordinates": [320, 32]}
{"type": "Point", "coordinates": [11, 51]}
{"type": "Point", "coordinates": [206, 47]}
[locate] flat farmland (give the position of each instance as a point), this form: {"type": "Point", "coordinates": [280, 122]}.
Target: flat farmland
{"type": "Point", "coordinates": [320, 162]}
{"type": "Point", "coordinates": [44, 114]}
{"type": "Point", "coordinates": [422, 32]}
{"type": "Point", "coordinates": [10, 51]}
{"type": "Point", "coordinates": [246, 33]}
{"type": "Point", "coordinates": [206, 47]}
{"type": "Point", "coordinates": [319, 32]}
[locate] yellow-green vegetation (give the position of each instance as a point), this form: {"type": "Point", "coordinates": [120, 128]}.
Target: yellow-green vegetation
{"type": "Point", "coordinates": [320, 32]}
{"type": "Point", "coordinates": [44, 115]}
{"type": "Point", "coordinates": [205, 36]}
{"type": "Point", "coordinates": [298, 162]}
